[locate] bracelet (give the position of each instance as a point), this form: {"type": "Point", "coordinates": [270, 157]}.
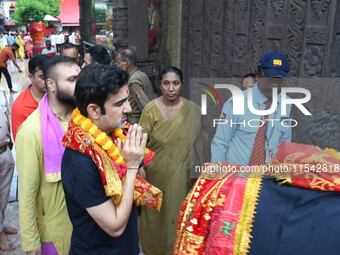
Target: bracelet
{"type": "Point", "coordinates": [133, 168]}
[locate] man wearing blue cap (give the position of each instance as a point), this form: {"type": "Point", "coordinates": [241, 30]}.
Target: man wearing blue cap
{"type": "Point", "coordinates": [253, 143]}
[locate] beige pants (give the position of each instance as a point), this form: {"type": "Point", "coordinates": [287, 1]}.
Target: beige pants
{"type": "Point", "coordinates": [6, 174]}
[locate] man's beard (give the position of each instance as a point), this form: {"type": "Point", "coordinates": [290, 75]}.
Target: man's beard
{"type": "Point", "coordinates": [65, 98]}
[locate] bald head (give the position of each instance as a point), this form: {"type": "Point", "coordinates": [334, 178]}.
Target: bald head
{"type": "Point", "coordinates": [128, 55]}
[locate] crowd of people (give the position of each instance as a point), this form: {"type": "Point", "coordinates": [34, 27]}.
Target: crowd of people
{"type": "Point", "coordinates": [93, 143]}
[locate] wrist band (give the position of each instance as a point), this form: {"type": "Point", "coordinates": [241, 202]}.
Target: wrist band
{"type": "Point", "coordinates": [137, 168]}
{"type": "Point", "coordinates": [133, 168]}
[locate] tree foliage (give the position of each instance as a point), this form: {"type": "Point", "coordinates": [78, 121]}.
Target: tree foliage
{"type": "Point", "coordinates": [100, 15]}
{"type": "Point", "coordinates": [35, 10]}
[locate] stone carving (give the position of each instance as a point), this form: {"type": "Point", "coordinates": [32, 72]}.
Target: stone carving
{"type": "Point", "coordinates": [313, 61]}
{"type": "Point", "coordinates": [240, 47]}
{"type": "Point", "coordinates": [274, 45]}
{"type": "Point", "coordinates": [335, 93]}
{"type": "Point", "coordinates": [216, 48]}
{"type": "Point", "coordinates": [335, 63]}
{"type": "Point", "coordinates": [226, 38]}
{"type": "Point", "coordinates": [277, 5]}
{"type": "Point", "coordinates": [295, 35]}
{"type": "Point", "coordinates": [316, 35]}
{"type": "Point", "coordinates": [292, 27]}
{"type": "Point", "coordinates": [320, 6]}
{"type": "Point", "coordinates": [148, 68]}
{"type": "Point", "coordinates": [218, 10]}
{"type": "Point", "coordinates": [275, 31]}
{"type": "Point", "coordinates": [243, 5]}
{"type": "Point", "coordinates": [257, 33]}
{"type": "Point", "coordinates": [120, 27]}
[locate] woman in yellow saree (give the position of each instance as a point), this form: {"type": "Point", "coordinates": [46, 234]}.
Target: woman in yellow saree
{"type": "Point", "coordinates": [172, 123]}
{"type": "Point", "coordinates": [21, 50]}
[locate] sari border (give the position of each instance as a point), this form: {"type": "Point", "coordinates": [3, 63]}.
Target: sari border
{"type": "Point", "coordinates": [247, 215]}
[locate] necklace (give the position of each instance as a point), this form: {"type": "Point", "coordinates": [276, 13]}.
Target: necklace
{"type": "Point", "coordinates": [172, 107]}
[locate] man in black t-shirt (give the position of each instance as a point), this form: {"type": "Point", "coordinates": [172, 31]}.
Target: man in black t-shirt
{"type": "Point", "coordinates": [99, 225]}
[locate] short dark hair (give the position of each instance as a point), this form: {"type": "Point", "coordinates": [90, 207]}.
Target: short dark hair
{"type": "Point", "coordinates": [96, 83]}
{"type": "Point", "coordinates": [322, 129]}
{"type": "Point", "coordinates": [172, 69]}
{"type": "Point", "coordinates": [252, 75]}
{"type": "Point", "coordinates": [99, 54]}
{"type": "Point", "coordinates": [128, 55]}
{"type": "Point", "coordinates": [15, 45]}
{"type": "Point", "coordinates": [52, 62]}
{"type": "Point", "coordinates": [68, 46]}
{"type": "Point", "coordinates": [36, 63]}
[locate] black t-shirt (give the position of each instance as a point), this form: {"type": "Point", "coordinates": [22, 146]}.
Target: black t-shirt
{"type": "Point", "coordinates": [295, 221]}
{"type": "Point", "coordinates": [83, 189]}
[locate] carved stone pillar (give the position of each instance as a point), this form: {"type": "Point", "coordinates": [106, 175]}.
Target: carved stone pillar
{"type": "Point", "coordinates": [138, 27]}
{"type": "Point", "coordinates": [120, 23]}
{"type": "Point", "coordinates": [85, 20]}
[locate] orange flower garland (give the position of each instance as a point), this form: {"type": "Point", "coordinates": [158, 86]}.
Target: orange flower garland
{"type": "Point", "coordinates": [101, 137]}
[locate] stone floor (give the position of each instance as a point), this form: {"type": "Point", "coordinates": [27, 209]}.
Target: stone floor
{"type": "Point", "coordinates": [12, 219]}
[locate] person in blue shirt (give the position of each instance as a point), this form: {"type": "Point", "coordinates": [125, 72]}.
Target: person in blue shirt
{"type": "Point", "coordinates": [234, 140]}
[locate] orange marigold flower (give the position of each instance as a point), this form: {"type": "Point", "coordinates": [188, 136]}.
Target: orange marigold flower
{"type": "Point", "coordinates": [111, 149]}
{"type": "Point", "coordinates": [93, 130]}
{"type": "Point", "coordinates": [118, 132]}
{"type": "Point", "coordinates": [97, 133]}
{"type": "Point", "coordinates": [81, 120]}
{"type": "Point", "coordinates": [104, 141]}
{"type": "Point", "coordinates": [120, 160]}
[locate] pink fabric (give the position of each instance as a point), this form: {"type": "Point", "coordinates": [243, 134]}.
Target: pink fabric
{"type": "Point", "coordinates": [48, 249]}
{"type": "Point", "coordinates": [52, 134]}
{"type": "Point", "coordinates": [218, 243]}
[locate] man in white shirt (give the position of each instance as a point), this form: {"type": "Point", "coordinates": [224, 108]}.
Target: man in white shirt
{"type": "Point", "coordinates": [59, 41]}
{"type": "Point", "coordinates": [49, 50]}
{"type": "Point", "coordinates": [3, 40]}
{"type": "Point", "coordinates": [53, 40]}
{"type": "Point", "coordinates": [72, 38]}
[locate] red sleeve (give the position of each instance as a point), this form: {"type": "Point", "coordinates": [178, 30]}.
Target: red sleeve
{"type": "Point", "coordinates": [15, 118]}
{"type": "Point", "coordinates": [22, 107]}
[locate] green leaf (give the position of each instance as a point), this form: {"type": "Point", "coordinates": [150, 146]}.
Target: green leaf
{"type": "Point", "coordinates": [35, 10]}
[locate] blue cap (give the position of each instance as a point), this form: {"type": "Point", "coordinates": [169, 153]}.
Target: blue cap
{"type": "Point", "coordinates": [274, 64]}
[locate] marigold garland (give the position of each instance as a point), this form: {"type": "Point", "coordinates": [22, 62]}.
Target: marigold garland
{"type": "Point", "coordinates": [101, 137]}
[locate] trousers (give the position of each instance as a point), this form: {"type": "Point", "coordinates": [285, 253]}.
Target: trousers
{"type": "Point", "coordinates": [7, 76]}
{"type": "Point", "coordinates": [6, 175]}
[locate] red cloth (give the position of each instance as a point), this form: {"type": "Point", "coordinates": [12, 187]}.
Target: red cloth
{"type": "Point", "coordinates": [51, 54]}
{"type": "Point", "coordinates": [22, 107]}
{"type": "Point", "coordinates": [217, 215]}
{"type": "Point", "coordinates": [37, 30]}
{"type": "Point", "coordinates": [113, 175]}
{"type": "Point", "coordinates": [6, 54]}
